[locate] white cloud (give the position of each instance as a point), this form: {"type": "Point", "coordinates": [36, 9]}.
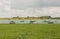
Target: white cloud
{"type": "Point", "coordinates": [50, 11]}
{"type": "Point", "coordinates": [19, 4]}
{"type": "Point", "coordinates": [30, 8]}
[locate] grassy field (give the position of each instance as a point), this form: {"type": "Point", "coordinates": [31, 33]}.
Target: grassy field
{"type": "Point", "coordinates": [29, 31]}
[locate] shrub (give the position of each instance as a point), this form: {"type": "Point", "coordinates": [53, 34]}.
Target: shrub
{"type": "Point", "coordinates": [31, 22]}
{"type": "Point", "coordinates": [50, 22]}
{"type": "Point", "coordinates": [12, 22]}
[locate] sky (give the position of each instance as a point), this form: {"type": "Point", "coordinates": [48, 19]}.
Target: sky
{"type": "Point", "coordinates": [32, 8]}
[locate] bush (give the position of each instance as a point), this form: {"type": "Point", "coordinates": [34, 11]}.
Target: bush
{"type": "Point", "coordinates": [12, 22]}
{"type": "Point", "coordinates": [50, 22]}
{"type": "Point", "coordinates": [31, 22]}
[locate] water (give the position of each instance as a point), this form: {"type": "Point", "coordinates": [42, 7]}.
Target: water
{"type": "Point", "coordinates": [28, 21]}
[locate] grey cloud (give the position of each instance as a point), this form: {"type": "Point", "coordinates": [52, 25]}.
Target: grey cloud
{"type": "Point", "coordinates": [23, 4]}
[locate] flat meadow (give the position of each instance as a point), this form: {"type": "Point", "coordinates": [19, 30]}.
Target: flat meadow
{"type": "Point", "coordinates": [29, 31]}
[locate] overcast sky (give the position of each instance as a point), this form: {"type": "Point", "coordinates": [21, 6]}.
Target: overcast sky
{"type": "Point", "coordinates": [35, 3]}
{"type": "Point", "coordinates": [10, 8]}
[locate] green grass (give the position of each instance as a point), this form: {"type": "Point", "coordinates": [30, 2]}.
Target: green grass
{"type": "Point", "coordinates": [29, 31]}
